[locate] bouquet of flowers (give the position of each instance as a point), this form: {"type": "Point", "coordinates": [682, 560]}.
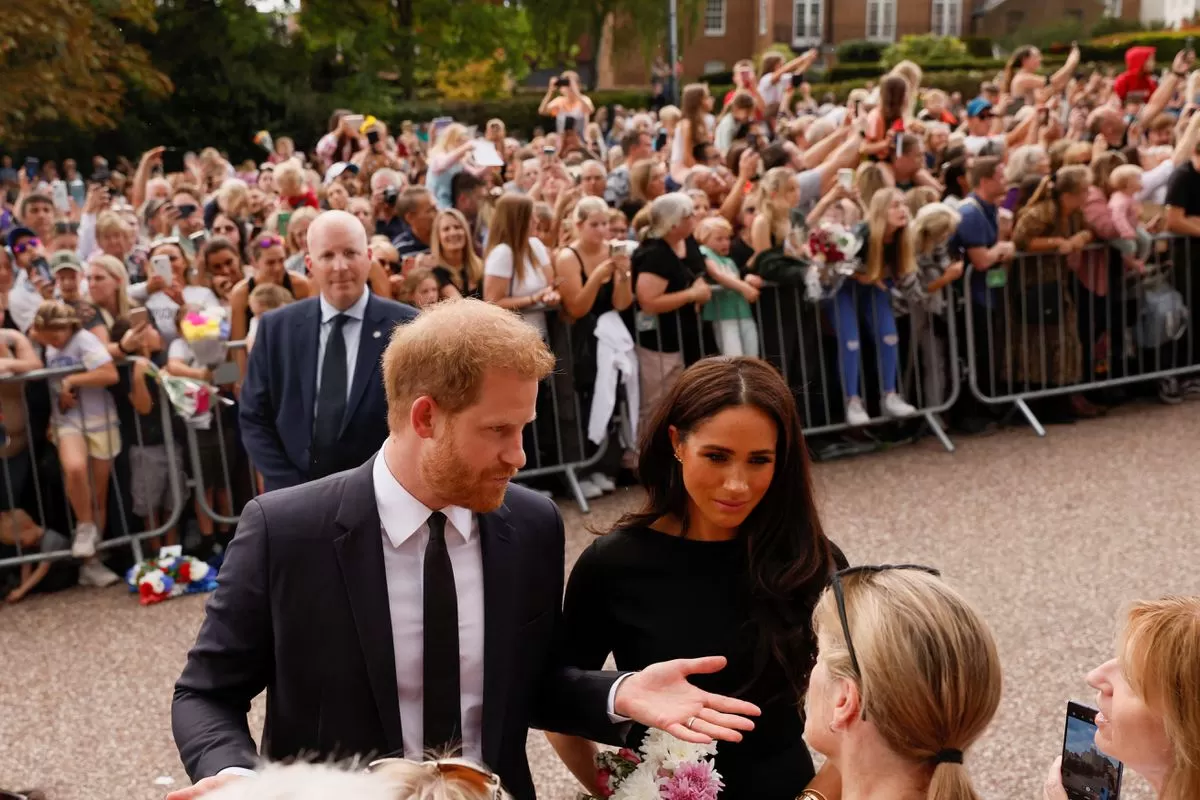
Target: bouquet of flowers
{"type": "Point", "coordinates": [158, 579]}
{"type": "Point", "coordinates": [192, 400]}
{"type": "Point", "coordinates": [833, 249]}
{"type": "Point", "coordinates": [263, 139]}
{"type": "Point", "coordinates": [664, 768]}
{"type": "Point", "coordinates": [205, 332]}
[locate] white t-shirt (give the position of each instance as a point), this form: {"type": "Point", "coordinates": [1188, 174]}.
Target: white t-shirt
{"type": "Point", "coordinates": [771, 90]}
{"type": "Point", "coordinates": [499, 264]}
{"type": "Point", "coordinates": [974, 144]}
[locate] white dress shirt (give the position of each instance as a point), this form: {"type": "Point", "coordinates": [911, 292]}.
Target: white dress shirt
{"type": "Point", "coordinates": [351, 332]}
{"type": "Point", "coordinates": [405, 536]}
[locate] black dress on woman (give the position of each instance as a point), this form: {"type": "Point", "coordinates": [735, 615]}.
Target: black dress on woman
{"type": "Point", "coordinates": [645, 597]}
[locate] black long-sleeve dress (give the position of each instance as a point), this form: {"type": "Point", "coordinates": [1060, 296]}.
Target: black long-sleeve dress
{"type": "Point", "coordinates": [645, 597]}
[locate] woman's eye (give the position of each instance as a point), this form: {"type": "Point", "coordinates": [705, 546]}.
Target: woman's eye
{"type": "Point", "coordinates": [716, 458]}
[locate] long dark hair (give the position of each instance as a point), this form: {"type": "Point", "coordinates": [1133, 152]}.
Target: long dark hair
{"type": "Point", "coordinates": [788, 556]}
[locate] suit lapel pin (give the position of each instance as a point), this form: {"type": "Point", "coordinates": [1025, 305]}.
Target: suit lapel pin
{"type": "Point", "coordinates": [376, 335]}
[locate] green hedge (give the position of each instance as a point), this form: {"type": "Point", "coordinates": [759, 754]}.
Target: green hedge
{"type": "Point", "coordinates": [1111, 49]}
{"type": "Point", "coordinates": [857, 51]}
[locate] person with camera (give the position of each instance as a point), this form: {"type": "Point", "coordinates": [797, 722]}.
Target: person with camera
{"type": "Point", "coordinates": [570, 103]}
{"type": "Point", "coordinates": [386, 185]}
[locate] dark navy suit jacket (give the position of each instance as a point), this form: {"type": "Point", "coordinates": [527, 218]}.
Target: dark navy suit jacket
{"type": "Point", "coordinates": [302, 611]}
{"type": "Point", "coordinates": [280, 389]}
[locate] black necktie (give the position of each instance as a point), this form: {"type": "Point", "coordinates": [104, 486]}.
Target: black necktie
{"type": "Point", "coordinates": [331, 401]}
{"type": "Point", "coordinates": [443, 706]}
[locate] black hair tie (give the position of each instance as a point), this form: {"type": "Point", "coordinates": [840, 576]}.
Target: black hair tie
{"type": "Point", "coordinates": [948, 756]}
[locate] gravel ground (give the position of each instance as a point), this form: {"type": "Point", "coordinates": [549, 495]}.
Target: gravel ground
{"type": "Point", "coordinates": [1051, 538]}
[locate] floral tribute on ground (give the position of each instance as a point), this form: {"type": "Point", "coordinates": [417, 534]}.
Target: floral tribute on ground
{"type": "Point", "coordinates": [664, 768]}
{"type": "Point", "coordinates": [158, 579]}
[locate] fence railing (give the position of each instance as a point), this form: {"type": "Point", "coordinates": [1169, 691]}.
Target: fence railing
{"type": "Point", "coordinates": [1054, 325]}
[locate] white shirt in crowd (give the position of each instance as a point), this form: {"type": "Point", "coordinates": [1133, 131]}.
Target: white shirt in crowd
{"type": "Point", "coordinates": [165, 309]}
{"type": "Point", "coordinates": [975, 144]}
{"type": "Point", "coordinates": [405, 536]}
{"type": "Point", "coordinates": [499, 264]}
{"type": "Point", "coordinates": [771, 88]}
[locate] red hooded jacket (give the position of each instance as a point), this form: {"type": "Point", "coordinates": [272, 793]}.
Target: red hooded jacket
{"type": "Point", "coordinates": [1134, 79]}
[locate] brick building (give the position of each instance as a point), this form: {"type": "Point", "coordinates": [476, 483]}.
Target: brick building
{"type": "Point", "coordinates": [733, 29]}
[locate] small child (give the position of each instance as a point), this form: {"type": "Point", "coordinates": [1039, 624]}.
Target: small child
{"type": "Point", "coordinates": [737, 332]}
{"type": "Point", "coordinates": [1134, 241]}
{"type": "Point", "coordinates": [265, 297]}
{"type": "Point", "coordinates": [420, 288]}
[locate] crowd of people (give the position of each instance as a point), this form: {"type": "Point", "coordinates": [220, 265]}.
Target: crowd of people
{"type": "Point", "coordinates": [629, 242]}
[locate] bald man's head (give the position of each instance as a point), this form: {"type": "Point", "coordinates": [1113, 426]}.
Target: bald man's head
{"type": "Point", "coordinates": [338, 257]}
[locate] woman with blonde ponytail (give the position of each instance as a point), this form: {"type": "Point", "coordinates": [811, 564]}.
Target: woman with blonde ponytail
{"type": "Point", "coordinates": [907, 679]}
{"type": "Point", "coordinates": [1149, 700]}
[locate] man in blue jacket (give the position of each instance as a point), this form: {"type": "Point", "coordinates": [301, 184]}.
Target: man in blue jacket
{"type": "Point", "coordinates": [312, 400]}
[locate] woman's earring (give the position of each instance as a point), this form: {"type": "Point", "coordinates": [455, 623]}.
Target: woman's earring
{"type": "Point", "coordinates": [678, 457]}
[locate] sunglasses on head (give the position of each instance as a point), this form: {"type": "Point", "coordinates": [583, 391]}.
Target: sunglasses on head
{"type": "Point", "coordinates": [268, 241]}
{"type": "Point", "coordinates": [29, 244]}
{"type": "Point", "coordinates": [835, 582]}
{"type": "Point", "coordinates": [450, 767]}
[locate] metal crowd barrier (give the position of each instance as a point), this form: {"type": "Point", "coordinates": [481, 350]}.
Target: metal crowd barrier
{"type": "Point", "coordinates": [1058, 325]}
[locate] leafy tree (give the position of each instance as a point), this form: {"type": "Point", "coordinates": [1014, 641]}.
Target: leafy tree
{"type": "Point", "coordinates": [924, 49]}
{"type": "Point", "coordinates": [68, 61]}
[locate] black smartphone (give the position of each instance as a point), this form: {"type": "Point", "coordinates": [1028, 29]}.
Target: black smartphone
{"type": "Point", "coordinates": [172, 160]}
{"type": "Point", "coordinates": [1189, 45]}
{"type": "Point", "coordinates": [1087, 774]}
{"type": "Point", "coordinates": [31, 167]}
{"type": "Point", "coordinates": [569, 124]}
{"type": "Point", "coordinates": [660, 141]}
{"type": "Point", "coordinates": [373, 137]}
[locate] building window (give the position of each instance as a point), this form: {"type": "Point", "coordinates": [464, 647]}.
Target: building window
{"type": "Point", "coordinates": [1012, 21]}
{"type": "Point", "coordinates": [806, 24]}
{"type": "Point", "coordinates": [713, 67]}
{"type": "Point", "coordinates": [881, 20]}
{"type": "Point", "coordinates": [714, 17]}
{"type": "Point", "coordinates": [762, 17]}
{"type": "Point", "coordinates": [945, 18]}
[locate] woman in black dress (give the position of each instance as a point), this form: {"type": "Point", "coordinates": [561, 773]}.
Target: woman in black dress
{"type": "Point", "coordinates": [726, 557]}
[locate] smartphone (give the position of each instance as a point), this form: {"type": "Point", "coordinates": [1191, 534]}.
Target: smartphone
{"type": "Point", "coordinates": [354, 121]}
{"type": "Point", "coordinates": [61, 199]}
{"type": "Point", "coordinates": [1189, 45]}
{"type": "Point", "coordinates": [162, 267]}
{"type": "Point", "coordinates": [660, 141]}
{"type": "Point", "coordinates": [372, 137]}
{"type": "Point", "coordinates": [281, 222]}
{"type": "Point", "coordinates": [138, 317]}
{"type": "Point", "coordinates": [198, 239]}
{"type": "Point", "coordinates": [846, 178]}
{"type": "Point", "coordinates": [172, 160]}
{"type": "Point", "coordinates": [549, 153]}
{"type": "Point", "coordinates": [1087, 774]}
{"type": "Point", "coordinates": [569, 124]}
{"type": "Point", "coordinates": [31, 167]}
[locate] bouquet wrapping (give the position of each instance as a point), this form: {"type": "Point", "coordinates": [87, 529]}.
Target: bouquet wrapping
{"type": "Point", "coordinates": [206, 334]}
{"type": "Point", "coordinates": [834, 251]}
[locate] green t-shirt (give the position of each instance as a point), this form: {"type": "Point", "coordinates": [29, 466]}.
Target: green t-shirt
{"type": "Point", "coordinates": [725, 303]}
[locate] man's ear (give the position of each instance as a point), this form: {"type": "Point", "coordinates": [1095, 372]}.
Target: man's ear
{"type": "Point", "coordinates": [422, 416]}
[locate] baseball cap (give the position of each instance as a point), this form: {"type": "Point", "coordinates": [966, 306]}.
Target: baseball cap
{"type": "Point", "coordinates": [19, 233]}
{"type": "Point", "coordinates": [64, 259]}
{"type": "Point", "coordinates": [335, 171]}
{"type": "Point", "coordinates": [979, 107]}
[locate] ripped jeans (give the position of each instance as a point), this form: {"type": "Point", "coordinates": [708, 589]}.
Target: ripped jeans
{"type": "Point", "coordinates": [874, 305]}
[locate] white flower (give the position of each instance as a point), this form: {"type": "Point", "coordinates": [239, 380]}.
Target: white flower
{"type": "Point", "coordinates": [155, 579]}
{"type": "Point", "coordinates": [661, 749]}
{"type": "Point", "coordinates": [199, 570]}
{"type": "Point", "coordinates": [166, 563]}
{"type": "Point", "coordinates": [642, 784]}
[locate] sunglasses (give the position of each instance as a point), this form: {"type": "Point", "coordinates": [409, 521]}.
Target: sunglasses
{"type": "Point", "coordinates": [29, 244]}
{"type": "Point", "coordinates": [835, 582]}
{"type": "Point", "coordinates": [186, 209]}
{"type": "Point", "coordinates": [451, 767]}
{"type": "Point", "coordinates": [394, 267]}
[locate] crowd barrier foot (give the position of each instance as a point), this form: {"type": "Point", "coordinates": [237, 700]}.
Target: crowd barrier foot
{"type": "Point", "coordinates": [1030, 418]}
{"type": "Point", "coordinates": [932, 421]}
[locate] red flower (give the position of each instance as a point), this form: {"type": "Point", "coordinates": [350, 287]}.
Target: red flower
{"type": "Point", "coordinates": [602, 778]}
{"type": "Point", "coordinates": [185, 572]}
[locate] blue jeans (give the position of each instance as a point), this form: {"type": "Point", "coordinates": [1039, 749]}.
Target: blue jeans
{"type": "Point", "coordinates": [875, 307]}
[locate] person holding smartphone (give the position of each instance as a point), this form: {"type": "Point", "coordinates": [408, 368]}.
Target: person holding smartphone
{"type": "Point", "coordinates": [571, 102]}
{"type": "Point", "coordinates": [1147, 698]}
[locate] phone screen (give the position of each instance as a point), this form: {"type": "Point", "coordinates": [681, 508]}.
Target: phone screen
{"type": "Point", "coordinates": [138, 316]}
{"type": "Point", "coordinates": [172, 160]}
{"type": "Point", "coordinates": [1087, 773]}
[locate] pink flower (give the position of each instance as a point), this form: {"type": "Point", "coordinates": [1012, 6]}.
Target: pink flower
{"type": "Point", "coordinates": [692, 781]}
{"type": "Point", "coordinates": [629, 755]}
{"type": "Point", "coordinates": [604, 781]}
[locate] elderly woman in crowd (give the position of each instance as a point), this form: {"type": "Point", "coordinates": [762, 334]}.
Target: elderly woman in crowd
{"type": "Point", "coordinates": [297, 239]}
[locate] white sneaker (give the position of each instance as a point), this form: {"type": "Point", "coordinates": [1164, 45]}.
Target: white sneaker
{"type": "Point", "coordinates": [605, 483]}
{"type": "Point", "coordinates": [94, 573]}
{"type": "Point", "coordinates": [856, 415]}
{"type": "Point", "coordinates": [590, 490]}
{"type": "Point", "coordinates": [86, 537]}
{"type": "Point", "coordinates": [895, 407]}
